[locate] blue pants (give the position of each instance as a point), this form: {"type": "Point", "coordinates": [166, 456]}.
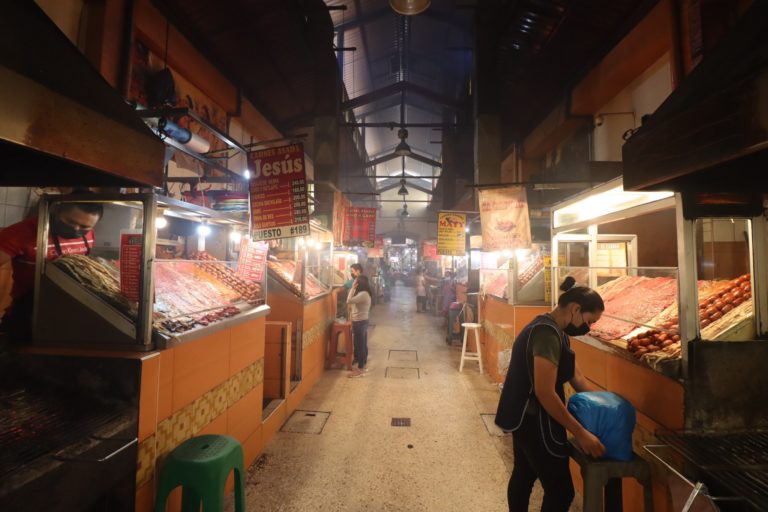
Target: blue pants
{"type": "Point", "coordinates": [360, 337]}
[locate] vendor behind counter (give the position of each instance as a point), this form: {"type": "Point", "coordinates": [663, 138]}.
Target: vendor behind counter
{"type": "Point", "coordinates": [71, 232]}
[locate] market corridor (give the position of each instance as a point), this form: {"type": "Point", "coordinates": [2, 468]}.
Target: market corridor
{"type": "Point", "coordinates": [445, 461]}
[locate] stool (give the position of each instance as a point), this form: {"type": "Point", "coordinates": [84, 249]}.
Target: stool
{"type": "Point", "coordinates": [471, 356]}
{"type": "Point", "coordinates": [604, 476]}
{"type": "Point", "coordinates": [201, 466]}
{"type": "Point", "coordinates": [330, 353]}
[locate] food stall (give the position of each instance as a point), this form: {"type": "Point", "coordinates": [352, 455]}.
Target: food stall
{"type": "Point", "coordinates": [301, 292]}
{"type": "Point", "coordinates": [677, 280]}
{"type": "Point", "coordinates": [512, 293]}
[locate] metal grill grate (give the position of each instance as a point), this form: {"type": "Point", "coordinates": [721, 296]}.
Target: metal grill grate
{"type": "Point", "coordinates": [737, 461]}
{"type": "Point", "coordinates": [35, 426]}
{"type": "Point", "coordinates": [401, 422]}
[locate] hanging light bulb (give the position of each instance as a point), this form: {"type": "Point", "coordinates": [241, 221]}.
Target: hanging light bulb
{"type": "Point", "coordinates": [203, 230]}
{"type": "Point", "coordinates": [405, 213]}
{"type": "Point", "coordinates": [402, 149]}
{"type": "Point", "coordinates": [403, 191]}
{"type": "Point", "coordinates": [160, 221]}
{"type": "Point", "coordinates": [409, 7]}
{"type": "Point", "coordinates": [247, 174]}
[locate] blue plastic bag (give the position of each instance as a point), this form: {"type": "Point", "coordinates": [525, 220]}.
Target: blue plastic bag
{"type": "Point", "coordinates": [609, 417]}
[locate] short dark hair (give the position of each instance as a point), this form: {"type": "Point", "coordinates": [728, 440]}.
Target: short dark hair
{"type": "Point", "coordinates": [589, 300]}
{"type": "Point", "coordinates": [92, 208]}
{"type": "Point", "coordinates": [363, 285]}
{"type": "Point", "coordinates": [357, 267]}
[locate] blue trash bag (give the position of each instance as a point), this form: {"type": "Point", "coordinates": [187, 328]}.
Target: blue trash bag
{"type": "Point", "coordinates": [609, 417]}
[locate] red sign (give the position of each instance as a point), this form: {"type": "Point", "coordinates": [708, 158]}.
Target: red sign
{"type": "Point", "coordinates": [130, 265]}
{"type": "Point", "coordinates": [378, 248]}
{"type": "Point", "coordinates": [359, 226]}
{"type": "Point", "coordinates": [252, 260]}
{"type": "Point", "coordinates": [429, 249]}
{"type": "Point", "coordinates": [279, 204]}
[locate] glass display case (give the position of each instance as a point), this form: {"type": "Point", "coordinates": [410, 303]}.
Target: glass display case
{"type": "Point", "coordinates": [125, 297]}
{"type": "Point", "coordinates": [515, 276]}
{"type": "Point", "coordinates": [304, 265]}
{"type": "Point", "coordinates": [702, 291]}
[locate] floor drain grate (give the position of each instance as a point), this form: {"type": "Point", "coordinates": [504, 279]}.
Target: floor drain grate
{"type": "Point", "coordinates": [491, 427]}
{"type": "Point", "coordinates": [401, 422]}
{"type": "Point", "coordinates": [403, 355]}
{"type": "Point", "coordinates": [306, 422]}
{"type": "Point", "coordinates": [393, 372]}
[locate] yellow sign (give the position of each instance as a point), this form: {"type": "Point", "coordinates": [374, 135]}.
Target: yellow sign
{"type": "Point", "coordinates": [451, 234]}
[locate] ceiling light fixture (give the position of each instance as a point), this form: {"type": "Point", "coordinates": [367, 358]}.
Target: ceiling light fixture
{"type": "Point", "coordinates": [403, 149]}
{"type": "Point", "coordinates": [403, 191]}
{"type": "Point", "coordinates": [409, 7]}
{"type": "Point", "coordinates": [404, 214]}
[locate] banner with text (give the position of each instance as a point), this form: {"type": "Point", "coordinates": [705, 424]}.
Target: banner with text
{"type": "Point", "coordinates": [359, 226]}
{"type": "Point", "coordinates": [504, 219]}
{"type": "Point", "coordinates": [340, 205]}
{"type": "Point", "coordinates": [252, 260]}
{"type": "Point", "coordinates": [451, 234]}
{"type": "Point", "coordinates": [279, 204]}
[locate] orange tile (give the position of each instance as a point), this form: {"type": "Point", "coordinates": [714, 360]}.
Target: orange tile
{"type": "Point", "coordinates": [244, 417]}
{"type": "Point", "coordinates": [524, 315]}
{"type": "Point", "coordinates": [148, 397]}
{"type": "Point", "coordinates": [592, 362]}
{"type": "Point", "coordinates": [253, 446]}
{"type": "Point", "coordinates": [658, 397]}
{"type": "Point", "coordinates": [165, 393]}
{"type": "Point", "coordinates": [145, 497]}
{"type": "Point", "coordinates": [199, 366]}
{"type": "Point", "coordinates": [247, 345]}
{"type": "Point", "coordinates": [217, 426]}
{"type": "Point", "coordinates": [272, 424]}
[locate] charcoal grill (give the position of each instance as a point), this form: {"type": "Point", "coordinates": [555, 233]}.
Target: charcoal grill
{"type": "Point", "coordinates": [66, 447]}
{"type": "Point", "coordinates": [733, 464]}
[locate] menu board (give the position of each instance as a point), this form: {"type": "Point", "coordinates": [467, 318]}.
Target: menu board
{"type": "Point", "coordinates": [278, 186]}
{"type": "Point", "coordinates": [252, 260]}
{"type": "Point", "coordinates": [359, 226]}
{"type": "Point", "coordinates": [130, 265]}
{"type": "Point", "coordinates": [504, 218]}
{"type": "Point", "coordinates": [451, 234]}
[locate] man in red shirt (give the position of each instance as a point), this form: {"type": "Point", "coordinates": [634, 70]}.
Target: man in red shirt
{"type": "Point", "coordinates": [70, 232]}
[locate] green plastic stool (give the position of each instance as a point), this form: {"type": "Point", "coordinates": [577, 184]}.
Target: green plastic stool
{"type": "Point", "coordinates": [201, 466]}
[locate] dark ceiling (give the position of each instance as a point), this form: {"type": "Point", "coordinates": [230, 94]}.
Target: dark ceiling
{"type": "Point", "coordinates": [536, 51]}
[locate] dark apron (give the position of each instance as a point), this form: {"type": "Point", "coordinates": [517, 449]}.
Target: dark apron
{"type": "Point", "coordinates": [518, 393]}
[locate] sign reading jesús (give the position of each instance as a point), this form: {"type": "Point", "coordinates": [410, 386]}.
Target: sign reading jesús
{"type": "Point", "coordinates": [278, 186]}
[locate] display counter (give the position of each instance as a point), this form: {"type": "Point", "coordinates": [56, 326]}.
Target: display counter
{"type": "Point", "coordinates": [212, 384]}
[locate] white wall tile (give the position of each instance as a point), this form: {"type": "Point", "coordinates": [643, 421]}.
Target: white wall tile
{"type": "Point", "coordinates": [17, 196]}
{"type": "Point", "coordinates": [14, 214]}
{"type": "Point", "coordinates": [2, 215]}
{"type": "Point", "coordinates": [3, 193]}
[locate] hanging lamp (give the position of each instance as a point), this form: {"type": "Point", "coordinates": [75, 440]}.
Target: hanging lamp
{"type": "Point", "coordinates": [402, 149]}
{"type": "Point", "coordinates": [409, 7]}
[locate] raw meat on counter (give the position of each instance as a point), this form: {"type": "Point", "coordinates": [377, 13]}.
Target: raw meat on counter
{"type": "Point", "coordinates": [633, 302]}
{"type": "Point", "coordinates": [99, 277]}
{"type": "Point", "coordinates": [722, 305]}
{"type": "Point", "coordinates": [250, 291]}
{"type": "Point", "coordinates": [530, 271]}
{"type": "Point", "coordinates": [497, 286]}
{"type": "Point", "coordinates": [284, 271]}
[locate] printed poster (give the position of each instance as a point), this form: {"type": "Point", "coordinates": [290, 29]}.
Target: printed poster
{"type": "Point", "coordinates": [279, 204]}
{"type": "Point", "coordinates": [252, 260]}
{"type": "Point", "coordinates": [451, 234]}
{"type": "Point", "coordinates": [359, 226]}
{"type": "Point", "coordinates": [504, 219]}
{"type": "Point", "coordinates": [429, 249]}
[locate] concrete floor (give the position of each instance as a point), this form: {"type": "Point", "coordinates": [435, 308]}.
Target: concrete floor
{"type": "Point", "coordinates": [445, 461]}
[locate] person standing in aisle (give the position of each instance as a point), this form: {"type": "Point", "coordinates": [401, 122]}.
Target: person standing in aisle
{"type": "Point", "coordinates": [359, 301]}
{"type": "Point", "coordinates": [532, 403]}
{"type": "Point", "coordinates": [421, 291]}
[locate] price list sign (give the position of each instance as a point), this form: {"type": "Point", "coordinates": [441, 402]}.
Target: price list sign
{"type": "Point", "coordinates": [279, 204]}
{"type": "Point", "coordinates": [359, 226]}
{"type": "Point", "coordinates": [252, 260]}
{"type": "Point", "coordinates": [130, 265]}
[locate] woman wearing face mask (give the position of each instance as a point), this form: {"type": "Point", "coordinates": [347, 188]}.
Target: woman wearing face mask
{"type": "Point", "coordinates": [71, 232]}
{"type": "Point", "coordinates": [532, 403]}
